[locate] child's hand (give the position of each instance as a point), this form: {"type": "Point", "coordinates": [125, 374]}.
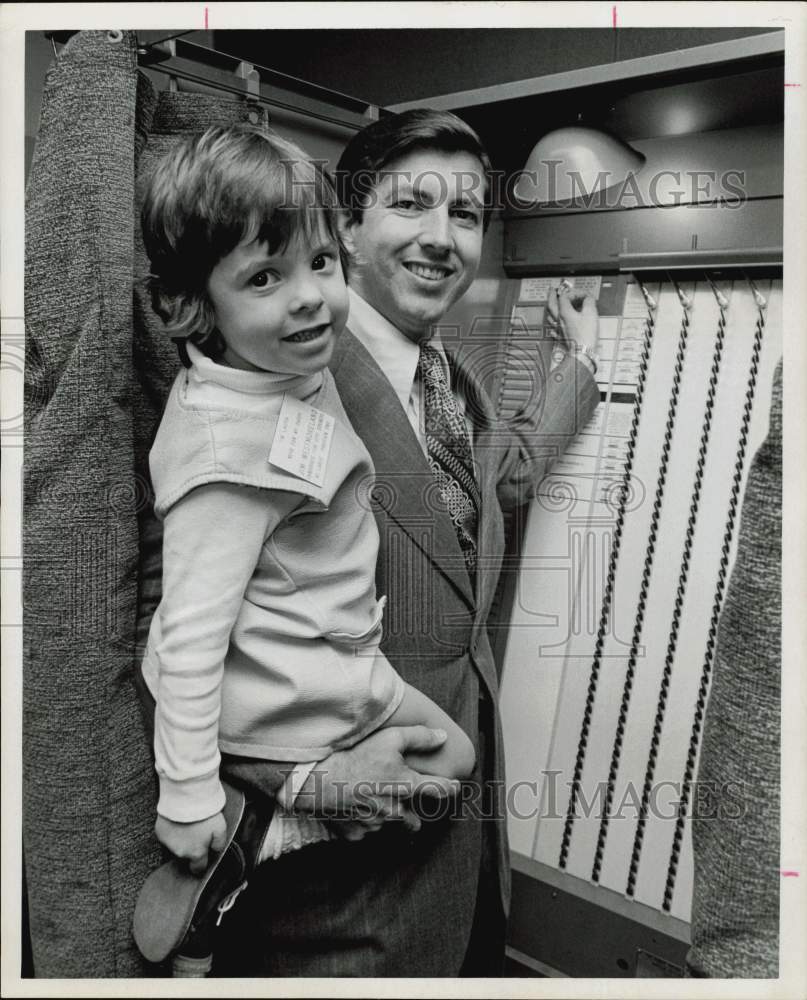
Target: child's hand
{"type": "Point", "coordinates": [192, 840]}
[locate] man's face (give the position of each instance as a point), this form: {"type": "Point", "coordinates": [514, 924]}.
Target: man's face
{"type": "Point", "coordinates": [417, 247]}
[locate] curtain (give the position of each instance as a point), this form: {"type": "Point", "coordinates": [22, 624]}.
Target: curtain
{"type": "Point", "coordinates": [735, 903]}
{"type": "Point", "coordinates": [97, 371]}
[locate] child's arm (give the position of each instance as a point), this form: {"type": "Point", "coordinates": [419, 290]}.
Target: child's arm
{"type": "Point", "coordinates": [211, 544]}
{"type": "Point", "coordinates": [455, 758]}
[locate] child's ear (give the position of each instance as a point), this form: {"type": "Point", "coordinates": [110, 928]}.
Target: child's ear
{"type": "Point", "coordinates": [347, 224]}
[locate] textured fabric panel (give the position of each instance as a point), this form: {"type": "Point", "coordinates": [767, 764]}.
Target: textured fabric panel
{"type": "Point", "coordinates": [735, 909]}
{"type": "Point", "coordinates": [86, 771]}
{"type": "Point", "coordinates": [94, 390]}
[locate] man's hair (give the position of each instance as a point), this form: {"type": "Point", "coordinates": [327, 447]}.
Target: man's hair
{"type": "Point", "coordinates": [395, 136]}
{"type": "Point", "coordinates": [213, 191]}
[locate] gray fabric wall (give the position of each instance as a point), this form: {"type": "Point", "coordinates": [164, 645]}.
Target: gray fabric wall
{"type": "Point", "coordinates": [97, 370]}
{"type": "Point", "coordinates": [735, 907]}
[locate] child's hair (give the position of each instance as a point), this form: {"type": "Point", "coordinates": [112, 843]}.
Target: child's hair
{"type": "Point", "coordinates": [213, 191]}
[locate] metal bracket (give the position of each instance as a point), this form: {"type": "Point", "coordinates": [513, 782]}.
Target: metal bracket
{"type": "Point", "coordinates": [650, 966]}
{"type": "Point", "coordinates": [252, 79]}
{"type": "Point", "coordinates": [150, 55]}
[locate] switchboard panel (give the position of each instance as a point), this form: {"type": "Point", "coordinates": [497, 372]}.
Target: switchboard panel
{"type": "Point", "coordinates": [625, 557]}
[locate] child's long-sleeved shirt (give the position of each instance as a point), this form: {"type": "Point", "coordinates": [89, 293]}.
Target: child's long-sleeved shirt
{"type": "Point", "coordinates": [265, 643]}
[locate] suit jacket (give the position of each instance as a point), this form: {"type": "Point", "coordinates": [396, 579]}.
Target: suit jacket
{"type": "Point", "coordinates": [395, 904]}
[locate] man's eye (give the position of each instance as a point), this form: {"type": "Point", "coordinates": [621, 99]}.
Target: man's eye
{"type": "Point", "coordinates": [466, 215]}
{"type": "Point", "coordinates": [406, 205]}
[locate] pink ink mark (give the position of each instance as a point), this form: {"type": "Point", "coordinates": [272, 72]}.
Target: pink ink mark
{"type": "Point", "coordinates": [613, 17]}
{"type": "Point", "coordinates": [789, 874]}
{"type": "Point", "coordinates": [205, 18]}
{"type": "Point", "coordinates": [792, 84]}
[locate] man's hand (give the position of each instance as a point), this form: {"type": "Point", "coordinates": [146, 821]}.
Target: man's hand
{"type": "Point", "coordinates": [575, 319]}
{"type": "Point", "coordinates": [353, 829]}
{"type": "Point", "coordinates": [371, 782]}
{"type": "Point", "coordinates": [192, 840]}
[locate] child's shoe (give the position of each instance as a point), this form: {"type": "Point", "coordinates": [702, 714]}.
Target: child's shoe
{"type": "Point", "coordinates": [177, 911]}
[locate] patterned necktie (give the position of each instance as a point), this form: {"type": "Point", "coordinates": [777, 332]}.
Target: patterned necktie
{"type": "Point", "coordinates": [449, 448]}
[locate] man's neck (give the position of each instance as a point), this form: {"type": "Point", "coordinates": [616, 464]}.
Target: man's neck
{"type": "Point", "coordinates": [394, 353]}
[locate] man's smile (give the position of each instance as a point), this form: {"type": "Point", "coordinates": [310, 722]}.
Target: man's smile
{"type": "Point", "coordinates": [429, 272]}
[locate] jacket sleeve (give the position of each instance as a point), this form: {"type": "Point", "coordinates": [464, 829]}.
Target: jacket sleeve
{"type": "Point", "coordinates": [556, 411]}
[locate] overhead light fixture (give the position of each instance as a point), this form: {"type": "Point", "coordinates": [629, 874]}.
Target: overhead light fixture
{"type": "Point", "coordinates": [575, 162]}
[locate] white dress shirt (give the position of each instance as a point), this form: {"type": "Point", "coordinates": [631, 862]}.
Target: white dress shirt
{"type": "Point", "coordinates": [397, 357]}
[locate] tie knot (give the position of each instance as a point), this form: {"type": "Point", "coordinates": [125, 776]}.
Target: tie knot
{"type": "Point", "coordinates": [430, 365]}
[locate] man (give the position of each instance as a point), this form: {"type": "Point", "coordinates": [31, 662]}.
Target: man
{"type": "Point", "coordinates": [426, 896]}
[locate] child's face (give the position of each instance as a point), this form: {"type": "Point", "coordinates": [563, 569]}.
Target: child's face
{"type": "Point", "coordinates": [280, 312]}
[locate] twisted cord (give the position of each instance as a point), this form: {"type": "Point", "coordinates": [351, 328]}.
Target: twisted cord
{"type": "Point", "coordinates": [602, 631]}
{"type": "Point", "coordinates": [683, 579]}
{"type": "Point", "coordinates": [627, 689]}
{"type": "Point", "coordinates": [706, 672]}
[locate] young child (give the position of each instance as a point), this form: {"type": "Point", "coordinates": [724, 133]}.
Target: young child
{"type": "Point", "coordinates": [266, 640]}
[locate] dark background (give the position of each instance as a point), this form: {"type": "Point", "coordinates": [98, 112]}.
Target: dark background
{"type": "Point", "coordinates": [389, 66]}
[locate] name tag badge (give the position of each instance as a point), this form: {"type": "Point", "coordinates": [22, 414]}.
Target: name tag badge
{"type": "Point", "coordinates": [302, 440]}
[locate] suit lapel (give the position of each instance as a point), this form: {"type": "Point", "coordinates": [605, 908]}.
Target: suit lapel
{"type": "Point", "coordinates": [405, 487]}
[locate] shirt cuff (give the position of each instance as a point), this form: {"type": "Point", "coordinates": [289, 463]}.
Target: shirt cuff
{"type": "Point", "coordinates": [189, 801]}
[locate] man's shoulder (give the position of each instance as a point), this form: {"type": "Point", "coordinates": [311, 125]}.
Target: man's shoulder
{"type": "Point", "coordinates": [349, 349]}
{"type": "Point", "coordinates": [355, 371]}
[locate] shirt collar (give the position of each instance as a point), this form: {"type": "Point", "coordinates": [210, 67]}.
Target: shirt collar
{"type": "Point", "coordinates": [259, 383]}
{"type": "Point", "coordinates": [394, 353]}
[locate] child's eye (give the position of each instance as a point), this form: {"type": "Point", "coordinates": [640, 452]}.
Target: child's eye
{"type": "Point", "coordinates": [262, 279]}
{"type": "Point", "coordinates": [322, 261]}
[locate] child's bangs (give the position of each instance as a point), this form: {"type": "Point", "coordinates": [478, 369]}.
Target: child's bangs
{"type": "Point", "coordinates": [293, 198]}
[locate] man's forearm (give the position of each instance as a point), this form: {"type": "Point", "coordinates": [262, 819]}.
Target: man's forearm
{"type": "Point", "coordinates": [570, 396]}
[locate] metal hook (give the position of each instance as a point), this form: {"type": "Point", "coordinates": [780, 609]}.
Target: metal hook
{"type": "Point", "coordinates": [685, 300]}
{"type": "Point", "coordinates": [722, 301]}
{"type": "Point", "coordinates": [759, 298]}
{"type": "Point", "coordinates": [62, 37]}
{"type": "Point", "coordinates": [651, 302]}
